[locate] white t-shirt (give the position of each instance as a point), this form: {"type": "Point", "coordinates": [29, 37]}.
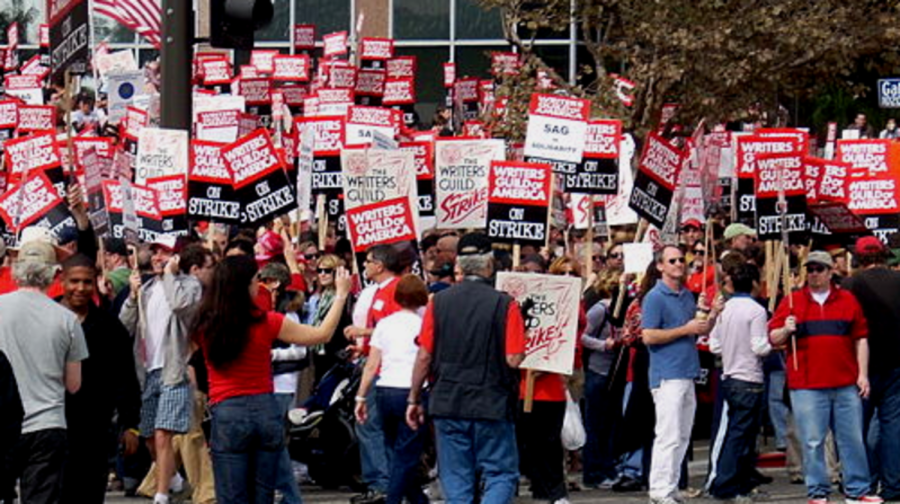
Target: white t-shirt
{"type": "Point", "coordinates": [363, 303]}
{"type": "Point", "coordinates": [286, 383]}
{"type": "Point", "coordinates": [395, 336]}
{"type": "Point", "coordinates": [158, 315]}
{"type": "Point", "coordinates": [820, 297]}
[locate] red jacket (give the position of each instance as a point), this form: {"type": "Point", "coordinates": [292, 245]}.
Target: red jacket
{"type": "Point", "coordinates": [826, 339]}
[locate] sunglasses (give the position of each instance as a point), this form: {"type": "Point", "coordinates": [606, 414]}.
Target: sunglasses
{"type": "Point", "coordinates": [617, 255]}
{"type": "Point", "coordinates": [699, 252]}
{"type": "Point", "coordinates": [598, 258]}
{"type": "Point", "coordinates": [325, 271]}
{"type": "Point", "coordinates": [310, 257]}
{"type": "Point", "coordinates": [676, 260]}
{"type": "Point", "coordinates": [815, 268]}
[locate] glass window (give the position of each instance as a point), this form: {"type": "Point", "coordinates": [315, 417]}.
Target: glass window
{"type": "Point", "coordinates": [422, 19]}
{"type": "Point", "coordinates": [556, 57]}
{"type": "Point", "coordinates": [475, 61]}
{"type": "Point", "coordinates": [146, 56]}
{"type": "Point", "coordinates": [475, 22]}
{"type": "Point", "coordinates": [279, 29]}
{"type": "Point", "coordinates": [328, 15]}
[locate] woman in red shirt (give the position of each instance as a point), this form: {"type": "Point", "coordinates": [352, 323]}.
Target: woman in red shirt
{"type": "Point", "coordinates": [236, 338]}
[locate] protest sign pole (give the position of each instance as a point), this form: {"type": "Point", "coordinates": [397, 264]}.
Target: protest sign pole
{"type": "Point", "coordinates": [67, 96]}
{"type": "Point", "coordinates": [787, 292]}
{"type": "Point", "coordinates": [529, 390]}
{"type": "Point", "coordinates": [706, 243]}
{"type": "Point", "coordinates": [589, 240]}
{"type": "Point", "coordinates": [638, 236]}
{"type": "Point", "coordinates": [322, 218]}
{"type": "Point", "coordinates": [516, 256]}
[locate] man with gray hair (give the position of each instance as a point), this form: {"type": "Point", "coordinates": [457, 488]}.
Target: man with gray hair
{"type": "Point", "coordinates": [472, 341]}
{"type": "Point", "coordinates": [45, 346]}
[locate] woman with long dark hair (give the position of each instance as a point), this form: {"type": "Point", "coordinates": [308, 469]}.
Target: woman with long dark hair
{"type": "Point", "coordinates": [236, 339]}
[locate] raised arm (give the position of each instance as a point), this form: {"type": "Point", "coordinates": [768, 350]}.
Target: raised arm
{"type": "Point", "coordinates": [301, 334]}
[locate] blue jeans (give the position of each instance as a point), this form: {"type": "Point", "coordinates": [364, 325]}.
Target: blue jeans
{"type": "Point", "coordinates": [246, 443]}
{"type": "Point", "coordinates": [285, 481]}
{"type": "Point", "coordinates": [404, 445]}
{"type": "Point", "coordinates": [372, 452]}
{"type": "Point", "coordinates": [469, 447]}
{"type": "Point", "coordinates": [841, 408]}
{"type": "Point", "coordinates": [599, 413]}
{"type": "Point", "coordinates": [886, 397]}
{"type": "Point", "coordinates": [735, 467]}
{"type": "Point", "coordinates": [778, 411]}
{"type": "Point", "coordinates": [631, 464]}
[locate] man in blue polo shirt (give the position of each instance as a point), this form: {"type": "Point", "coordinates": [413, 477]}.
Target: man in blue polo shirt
{"type": "Point", "coordinates": [669, 328]}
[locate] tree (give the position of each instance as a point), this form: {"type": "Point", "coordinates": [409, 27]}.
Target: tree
{"type": "Point", "coordinates": [17, 13]}
{"type": "Point", "coordinates": [716, 59]}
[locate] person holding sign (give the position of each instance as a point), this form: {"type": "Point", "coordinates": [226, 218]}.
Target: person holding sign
{"type": "Point", "coordinates": [831, 377]}
{"type": "Point", "coordinates": [472, 342]}
{"type": "Point", "coordinates": [669, 328]}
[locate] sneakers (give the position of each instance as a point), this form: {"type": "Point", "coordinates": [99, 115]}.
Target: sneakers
{"type": "Point", "coordinates": [562, 501]}
{"type": "Point", "coordinates": [370, 497]}
{"type": "Point", "coordinates": [664, 500]}
{"type": "Point", "coordinates": [628, 485]}
{"type": "Point", "coordinates": [866, 499]}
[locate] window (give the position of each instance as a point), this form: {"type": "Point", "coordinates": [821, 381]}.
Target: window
{"type": "Point", "coordinates": [421, 19]}
{"type": "Point", "coordinates": [328, 15]}
{"type": "Point", "coordinates": [279, 29]}
{"type": "Point", "coordinates": [474, 22]}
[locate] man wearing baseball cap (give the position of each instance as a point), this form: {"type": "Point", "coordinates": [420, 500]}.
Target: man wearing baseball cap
{"type": "Point", "coordinates": [878, 290]}
{"type": "Point", "coordinates": [162, 348]}
{"type": "Point", "coordinates": [45, 346]}
{"type": "Point", "coordinates": [739, 236]}
{"type": "Point", "coordinates": [472, 339]}
{"type": "Point", "coordinates": [827, 375]}
{"type": "Point", "coordinates": [691, 232]}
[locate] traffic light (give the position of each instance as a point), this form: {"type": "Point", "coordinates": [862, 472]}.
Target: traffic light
{"type": "Point", "coordinates": [232, 22]}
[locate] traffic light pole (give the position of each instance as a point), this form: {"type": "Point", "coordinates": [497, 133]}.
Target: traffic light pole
{"type": "Point", "coordinates": [177, 55]}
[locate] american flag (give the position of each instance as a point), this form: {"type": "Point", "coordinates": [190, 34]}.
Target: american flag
{"type": "Point", "coordinates": [143, 17]}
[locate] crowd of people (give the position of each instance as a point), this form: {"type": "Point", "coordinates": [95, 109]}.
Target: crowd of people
{"type": "Point", "coordinates": [192, 352]}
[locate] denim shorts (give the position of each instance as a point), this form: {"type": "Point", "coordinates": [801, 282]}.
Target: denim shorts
{"type": "Point", "coordinates": [165, 407]}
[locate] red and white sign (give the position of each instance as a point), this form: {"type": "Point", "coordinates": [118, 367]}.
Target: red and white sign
{"type": "Point", "coordinates": [251, 158]}
{"type": "Point", "coordinates": [342, 77]}
{"type": "Point", "coordinates": [363, 122]}
{"type": "Point", "coordinates": [335, 44]}
{"type": "Point", "coordinates": [250, 72]}
{"type": "Point", "coordinates": [102, 147]}
{"type": "Point", "coordinates": [171, 193]}
{"type": "Point", "coordinates": [256, 91]}
{"type": "Point", "coordinates": [449, 74]}
{"type": "Point", "coordinates": [216, 72]}
{"type": "Point", "coordinates": [9, 114]}
{"type": "Point", "coordinates": [399, 92]}
{"type": "Point", "coordinates": [603, 139]}
{"type": "Point", "coordinates": [305, 36]}
{"type": "Point", "coordinates": [384, 222]}
{"type": "Point", "coordinates": [466, 90]}
{"type": "Point", "coordinates": [661, 161]}
{"type": "Point", "coordinates": [263, 60]}
{"type": "Point", "coordinates": [519, 183]}
{"type": "Point", "coordinates": [461, 180]}
{"type": "Point", "coordinates": [135, 120]}
{"type": "Point", "coordinates": [27, 203]}
{"type": "Point", "coordinates": [218, 125]}
{"type": "Point", "coordinates": [26, 87]}
{"type": "Point", "coordinates": [334, 101]}
{"type": "Point", "coordinates": [207, 163]}
{"type": "Point", "coordinates": [424, 158]}
{"type": "Point", "coordinates": [869, 154]}
{"type": "Point", "coordinates": [161, 152]}
{"type": "Point", "coordinates": [37, 118]}
{"type": "Point", "coordinates": [401, 67]}
{"type": "Point", "coordinates": [291, 68]}
{"type": "Point", "coordinates": [35, 152]}
{"type": "Point", "coordinates": [557, 126]}
{"type": "Point", "coordinates": [376, 48]}
{"type": "Point", "coordinates": [505, 63]}
{"type": "Point", "coordinates": [370, 82]}
{"type": "Point", "coordinates": [328, 133]}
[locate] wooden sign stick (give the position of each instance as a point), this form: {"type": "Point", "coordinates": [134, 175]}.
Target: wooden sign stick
{"type": "Point", "coordinates": [529, 391]}
{"type": "Point", "coordinates": [620, 300]}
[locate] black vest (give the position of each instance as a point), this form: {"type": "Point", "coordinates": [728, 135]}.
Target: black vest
{"type": "Point", "coordinates": [471, 378]}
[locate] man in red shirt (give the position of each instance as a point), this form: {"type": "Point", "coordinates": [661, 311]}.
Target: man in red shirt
{"type": "Point", "coordinates": [383, 267]}
{"type": "Point", "coordinates": [830, 377]}
{"type": "Point", "coordinates": [471, 342]}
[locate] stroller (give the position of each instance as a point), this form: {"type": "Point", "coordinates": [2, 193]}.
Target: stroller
{"type": "Point", "coordinates": [322, 432]}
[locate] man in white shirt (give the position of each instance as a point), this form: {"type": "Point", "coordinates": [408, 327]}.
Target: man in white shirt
{"type": "Point", "coordinates": [162, 346]}
{"type": "Point", "coordinates": [741, 337]}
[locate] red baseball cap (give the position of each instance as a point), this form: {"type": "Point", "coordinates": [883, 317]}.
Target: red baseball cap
{"type": "Point", "coordinates": [692, 223]}
{"type": "Point", "coordinates": [869, 244]}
